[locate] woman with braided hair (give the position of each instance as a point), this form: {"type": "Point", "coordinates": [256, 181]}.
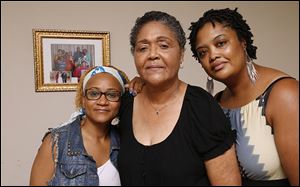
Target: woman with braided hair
{"type": "Point", "coordinates": [261, 102]}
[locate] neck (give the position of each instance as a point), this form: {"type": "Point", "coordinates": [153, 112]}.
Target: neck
{"type": "Point", "coordinates": [239, 83]}
{"type": "Point", "coordinates": [160, 99]}
{"type": "Point", "coordinates": [161, 95]}
{"type": "Point", "coordinates": [94, 130]}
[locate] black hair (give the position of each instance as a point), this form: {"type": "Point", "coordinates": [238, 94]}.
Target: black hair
{"type": "Point", "coordinates": [227, 17]}
{"type": "Point", "coordinates": [165, 18]}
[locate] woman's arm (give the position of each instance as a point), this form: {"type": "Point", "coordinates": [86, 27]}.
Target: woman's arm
{"type": "Point", "coordinates": [43, 166]}
{"type": "Point", "coordinates": [223, 170]}
{"type": "Point", "coordinates": [283, 114]}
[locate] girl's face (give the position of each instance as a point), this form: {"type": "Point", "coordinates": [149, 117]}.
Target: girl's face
{"type": "Point", "coordinates": [219, 50]}
{"type": "Point", "coordinates": [157, 53]}
{"type": "Point", "coordinates": [102, 110]}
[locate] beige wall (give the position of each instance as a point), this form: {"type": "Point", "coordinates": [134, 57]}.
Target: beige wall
{"type": "Point", "coordinates": [26, 115]}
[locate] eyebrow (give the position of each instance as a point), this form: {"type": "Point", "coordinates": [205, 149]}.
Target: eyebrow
{"type": "Point", "coordinates": [108, 89]}
{"type": "Point", "coordinates": [142, 41]}
{"type": "Point", "coordinates": [211, 40]}
{"type": "Point", "coordinates": [160, 38]}
{"type": "Point", "coordinates": [164, 38]}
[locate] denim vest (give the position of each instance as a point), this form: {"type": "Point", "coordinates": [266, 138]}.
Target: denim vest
{"type": "Point", "coordinates": [74, 167]}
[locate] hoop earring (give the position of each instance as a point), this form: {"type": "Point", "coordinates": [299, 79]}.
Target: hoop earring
{"type": "Point", "coordinates": [252, 73]}
{"type": "Point", "coordinates": [210, 85]}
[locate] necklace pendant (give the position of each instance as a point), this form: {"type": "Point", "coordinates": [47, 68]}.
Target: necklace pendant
{"type": "Point", "coordinates": [157, 112]}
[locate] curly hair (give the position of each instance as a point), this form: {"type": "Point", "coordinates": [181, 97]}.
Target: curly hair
{"type": "Point", "coordinates": [79, 91]}
{"type": "Point", "coordinates": [164, 18]}
{"type": "Point", "coordinates": [227, 17]}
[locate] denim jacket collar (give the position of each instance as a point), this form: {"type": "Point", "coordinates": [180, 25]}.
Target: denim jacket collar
{"type": "Point", "coordinates": [75, 142]}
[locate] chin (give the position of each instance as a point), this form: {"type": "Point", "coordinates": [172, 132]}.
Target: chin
{"type": "Point", "coordinates": [156, 80]}
{"type": "Point", "coordinates": [221, 76]}
{"type": "Point", "coordinates": [101, 120]}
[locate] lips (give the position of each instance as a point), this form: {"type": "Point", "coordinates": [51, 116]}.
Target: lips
{"type": "Point", "coordinates": [154, 68]}
{"type": "Point", "coordinates": [218, 65]}
{"type": "Point", "coordinates": [101, 110]}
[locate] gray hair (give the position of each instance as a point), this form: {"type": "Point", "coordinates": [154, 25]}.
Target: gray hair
{"type": "Point", "coordinates": [164, 18]}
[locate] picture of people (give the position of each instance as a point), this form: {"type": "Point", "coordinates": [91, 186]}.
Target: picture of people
{"type": "Point", "coordinates": [59, 77]}
{"type": "Point", "coordinates": [69, 61]}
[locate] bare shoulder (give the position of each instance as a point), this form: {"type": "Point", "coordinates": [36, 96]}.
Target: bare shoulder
{"type": "Point", "coordinates": [285, 88]}
{"type": "Point", "coordinates": [284, 91]}
{"type": "Point", "coordinates": [283, 99]}
{"type": "Point", "coordinates": [271, 73]}
{"type": "Point", "coordinates": [47, 142]}
{"type": "Point", "coordinates": [45, 150]}
{"type": "Point", "coordinates": [43, 166]}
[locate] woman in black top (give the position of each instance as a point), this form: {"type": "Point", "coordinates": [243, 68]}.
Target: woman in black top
{"type": "Point", "coordinates": [171, 133]}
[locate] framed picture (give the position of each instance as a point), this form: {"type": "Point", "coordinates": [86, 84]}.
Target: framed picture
{"type": "Point", "coordinates": [60, 57]}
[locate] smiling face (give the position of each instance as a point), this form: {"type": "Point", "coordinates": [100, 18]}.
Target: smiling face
{"type": "Point", "coordinates": [102, 110]}
{"type": "Point", "coordinates": [220, 51]}
{"type": "Point", "coordinates": [157, 53]}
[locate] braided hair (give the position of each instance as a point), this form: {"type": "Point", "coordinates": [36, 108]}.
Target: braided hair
{"type": "Point", "coordinates": [229, 18]}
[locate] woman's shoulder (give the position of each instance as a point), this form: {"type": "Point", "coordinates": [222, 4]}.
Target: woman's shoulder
{"type": "Point", "coordinates": [55, 130]}
{"type": "Point", "coordinates": [283, 88]}
{"type": "Point", "coordinates": [198, 94]}
{"type": "Point", "coordinates": [268, 78]}
{"type": "Point", "coordinates": [196, 91]}
{"type": "Point", "coordinates": [200, 101]}
{"type": "Point", "coordinates": [60, 129]}
{"type": "Point", "coordinates": [272, 73]}
{"type": "Point", "coordinates": [278, 80]}
{"type": "Point", "coordinates": [280, 96]}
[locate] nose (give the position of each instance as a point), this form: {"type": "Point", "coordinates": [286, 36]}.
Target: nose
{"type": "Point", "coordinates": [102, 100]}
{"type": "Point", "coordinates": [214, 54]}
{"type": "Point", "coordinates": [153, 53]}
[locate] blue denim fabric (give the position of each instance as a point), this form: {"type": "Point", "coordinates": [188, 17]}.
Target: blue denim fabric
{"type": "Point", "coordinates": [74, 167]}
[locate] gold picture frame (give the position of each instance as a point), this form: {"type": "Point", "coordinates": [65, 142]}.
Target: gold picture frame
{"type": "Point", "coordinates": [60, 57]}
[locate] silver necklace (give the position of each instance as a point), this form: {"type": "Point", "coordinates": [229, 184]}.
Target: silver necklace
{"type": "Point", "coordinates": [158, 110]}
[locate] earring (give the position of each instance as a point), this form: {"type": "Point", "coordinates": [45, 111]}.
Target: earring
{"type": "Point", "coordinates": [82, 111]}
{"type": "Point", "coordinates": [210, 85]}
{"type": "Point", "coordinates": [252, 73]}
{"type": "Point", "coordinates": [115, 121]}
{"type": "Point", "coordinates": [181, 66]}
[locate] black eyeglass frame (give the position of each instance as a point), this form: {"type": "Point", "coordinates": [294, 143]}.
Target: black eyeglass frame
{"type": "Point", "coordinates": [101, 93]}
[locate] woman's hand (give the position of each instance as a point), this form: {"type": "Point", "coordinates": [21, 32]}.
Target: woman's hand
{"type": "Point", "coordinates": [135, 86]}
